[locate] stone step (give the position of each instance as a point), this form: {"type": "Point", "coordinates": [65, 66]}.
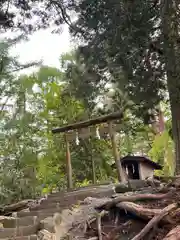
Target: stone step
{"type": "Point", "coordinates": [47, 205]}
{"type": "Point", "coordinates": [101, 192]}
{"type": "Point", "coordinates": [48, 224]}
{"type": "Point", "coordinates": [81, 189]}
{"type": "Point", "coordinates": [77, 192]}
{"type": "Point", "coordinates": [18, 232]}
{"type": "Point", "coordinates": [38, 213]}
{"type": "Point", "coordinates": [30, 237]}
{"type": "Point", "coordinates": [67, 194]}
{"type": "Point", "coordinates": [65, 202]}
{"type": "Point", "coordinates": [57, 204]}
{"type": "Point", "coordinates": [10, 222]}
{"type": "Point", "coordinates": [80, 196]}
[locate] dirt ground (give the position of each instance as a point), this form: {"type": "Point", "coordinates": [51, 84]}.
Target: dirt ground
{"type": "Point", "coordinates": [125, 230]}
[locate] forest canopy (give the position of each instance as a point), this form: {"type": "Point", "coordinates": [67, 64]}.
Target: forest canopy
{"type": "Point", "coordinates": [126, 59]}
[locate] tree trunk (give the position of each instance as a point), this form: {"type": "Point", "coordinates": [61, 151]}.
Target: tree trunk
{"type": "Point", "coordinates": [115, 152]}
{"type": "Point", "coordinates": [68, 165]}
{"type": "Point", "coordinates": [91, 157]}
{"type": "Point", "coordinates": [172, 64]}
{"type": "Point", "coordinates": [176, 135]}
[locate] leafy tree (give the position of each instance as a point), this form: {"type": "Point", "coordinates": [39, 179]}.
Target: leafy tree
{"type": "Point", "coordinates": [134, 136]}
{"type": "Point", "coordinates": [83, 82]}
{"type": "Point", "coordinates": [129, 39]}
{"type": "Point", "coordinates": [162, 151]}
{"type": "Point", "coordinates": [14, 123]}
{"type": "Point", "coordinates": [31, 15]}
{"type": "Point", "coordinates": [33, 160]}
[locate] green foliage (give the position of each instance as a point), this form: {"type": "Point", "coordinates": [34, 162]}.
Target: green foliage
{"type": "Point", "coordinates": [117, 43]}
{"type": "Point", "coordinates": [135, 45]}
{"type": "Point", "coordinates": [83, 184]}
{"type": "Point", "coordinates": [33, 160]}
{"type": "Point", "coordinates": [162, 152]}
{"type": "Point", "coordinates": [30, 16]}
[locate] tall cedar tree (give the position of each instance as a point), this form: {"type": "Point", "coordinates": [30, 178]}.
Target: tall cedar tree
{"type": "Point", "coordinates": [139, 39]}
{"type": "Point", "coordinates": [31, 15]}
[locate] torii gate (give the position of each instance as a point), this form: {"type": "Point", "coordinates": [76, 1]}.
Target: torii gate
{"type": "Point", "coordinates": [85, 125]}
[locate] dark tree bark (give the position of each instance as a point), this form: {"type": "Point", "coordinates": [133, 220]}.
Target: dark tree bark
{"type": "Point", "coordinates": [172, 63]}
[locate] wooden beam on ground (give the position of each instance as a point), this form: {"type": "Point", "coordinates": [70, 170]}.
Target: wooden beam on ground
{"type": "Point", "coordinates": [94, 121]}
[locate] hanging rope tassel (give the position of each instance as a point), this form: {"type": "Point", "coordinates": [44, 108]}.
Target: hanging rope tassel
{"type": "Point", "coordinates": [77, 139]}
{"type": "Point", "coordinates": [97, 133]}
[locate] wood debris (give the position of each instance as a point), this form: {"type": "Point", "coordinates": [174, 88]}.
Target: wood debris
{"type": "Point", "coordinates": [137, 215]}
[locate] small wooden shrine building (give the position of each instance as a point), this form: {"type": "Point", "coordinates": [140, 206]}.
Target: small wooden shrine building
{"type": "Point", "coordinates": [138, 167]}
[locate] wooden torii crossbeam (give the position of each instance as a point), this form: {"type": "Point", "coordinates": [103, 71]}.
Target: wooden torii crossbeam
{"type": "Point", "coordinates": [85, 124]}
{"type": "Point", "coordinates": [94, 121]}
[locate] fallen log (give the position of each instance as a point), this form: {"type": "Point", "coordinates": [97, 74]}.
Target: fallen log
{"type": "Point", "coordinates": [154, 221]}
{"type": "Point", "coordinates": [133, 198]}
{"type": "Point", "coordinates": [174, 234]}
{"type": "Point", "coordinates": [142, 212]}
{"type": "Point", "coordinates": [16, 206]}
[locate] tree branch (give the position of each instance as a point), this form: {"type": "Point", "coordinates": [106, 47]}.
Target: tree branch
{"type": "Point", "coordinates": [154, 221]}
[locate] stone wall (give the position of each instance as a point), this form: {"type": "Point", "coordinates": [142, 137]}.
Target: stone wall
{"type": "Point", "coordinates": [145, 171]}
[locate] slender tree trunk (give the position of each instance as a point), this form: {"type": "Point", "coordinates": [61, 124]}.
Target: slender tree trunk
{"type": "Point", "coordinates": [170, 32]}
{"type": "Point", "coordinates": [68, 165]}
{"type": "Point", "coordinates": [129, 145]}
{"type": "Point", "coordinates": [175, 110]}
{"type": "Point", "coordinates": [115, 152]}
{"type": "Point", "coordinates": [93, 170]}
{"type": "Point", "coordinates": [161, 121]}
{"type": "Point", "coordinates": [91, 158]}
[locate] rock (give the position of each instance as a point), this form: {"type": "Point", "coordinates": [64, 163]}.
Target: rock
{"type": "Point", "coordinates": [122, 188]}
{"type": "Point", "coordinates": [73, 220]}
{"type": "Point", "coordinates": [4, 219]}
{"type": "Point", "coordinates": [47, 224]}
{"type": "Point", "coordinates": [45, 235]}
{"type": "Point", "coordinates": [176, 182]}
{"type": "Point", "coordinates": [20, 231]}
